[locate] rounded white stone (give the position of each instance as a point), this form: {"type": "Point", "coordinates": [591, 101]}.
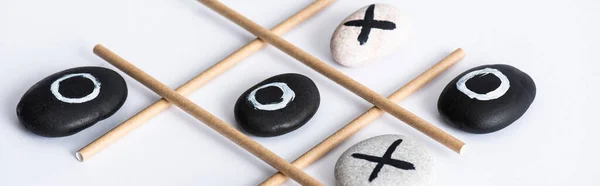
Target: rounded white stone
{"type": "Point", "coordinates": [353, 171]}
{"type": "Point", "coordinates": [347, 50]}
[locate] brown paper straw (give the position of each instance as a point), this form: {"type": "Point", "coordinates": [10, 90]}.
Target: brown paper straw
{"type": "Point", "coordinates": [369, 116]}
{"type": "Point", "coordinates": [141, 117]}
{"type": "Point", "coordinates": [369, 95]}
{"type": "Point", "coordinates": [205, 117]}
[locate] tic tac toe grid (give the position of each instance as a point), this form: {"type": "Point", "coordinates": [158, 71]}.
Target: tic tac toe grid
{"type": "Point", "coordinates": [381, 104]}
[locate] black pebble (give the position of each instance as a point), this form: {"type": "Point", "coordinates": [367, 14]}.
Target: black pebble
{"type": "Point", "coordinates": [278, 121]}
{"type": "Point", "coordinates": [41, 111]}
{"type": "Point", "coordinates": [488, 115]}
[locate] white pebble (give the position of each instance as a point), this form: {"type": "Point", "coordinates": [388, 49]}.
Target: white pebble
{"type": "Point", "coordinates": [353, 45]}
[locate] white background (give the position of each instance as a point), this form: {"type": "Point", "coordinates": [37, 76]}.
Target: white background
{"type": "Point", "coordinates": [554, 143]}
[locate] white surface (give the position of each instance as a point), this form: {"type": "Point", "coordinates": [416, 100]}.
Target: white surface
{"type": "Point", "coordinates": [556, 42]}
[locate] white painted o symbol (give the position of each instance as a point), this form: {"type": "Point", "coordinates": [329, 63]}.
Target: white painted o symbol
{"type": "Point", "coordinates": [56, 86]}
{"type": "Point", "coordinates": [287, 96]}
{"type": "Point", "coordinates": [495, 94]}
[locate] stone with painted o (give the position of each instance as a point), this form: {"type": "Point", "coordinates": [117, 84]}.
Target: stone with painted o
{"type": "Point", "coordinates": [368, 34]}
{"type": "Point", "coordinates": [385, 160]}
{"type": "Point", "coordinates": [278, 105]}
{"type": "Point", "coordinates": [69, 101]}
{"type": "Point", "coordinates": [487, 98]}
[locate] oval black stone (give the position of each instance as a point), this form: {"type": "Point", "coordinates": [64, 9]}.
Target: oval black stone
{"type": "Point", "coordinates": [487, 102]}
{"type": "Point", "coordinates": [69, 101]}
{"type": "Point", "coordinates": [278, 105]}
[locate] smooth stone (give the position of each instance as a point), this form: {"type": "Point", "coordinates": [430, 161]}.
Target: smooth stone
{"type": "Point", "coordinates": [69, 101]}
{"type": "Point", "coordinates": [385, 160]}
{"type": "Point", "coordinates": [487, 98]}
{"type": "Point", "coordinates": [357, 42]}
{"type": "Point", "coordinates": [278, 105]}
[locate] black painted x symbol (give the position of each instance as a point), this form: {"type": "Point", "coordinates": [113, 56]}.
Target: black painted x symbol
{"type": "Point", "coordinates": [368, 23]}
{"type": "Point", "coordinates": [385, 160]}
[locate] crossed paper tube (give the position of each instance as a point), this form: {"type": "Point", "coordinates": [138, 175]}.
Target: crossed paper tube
{"type": "Point", "coordinates": [292, 170]}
